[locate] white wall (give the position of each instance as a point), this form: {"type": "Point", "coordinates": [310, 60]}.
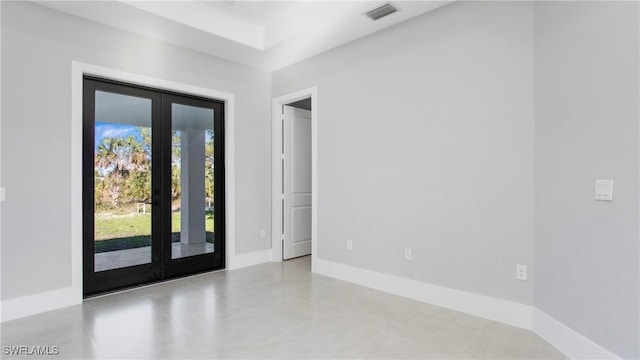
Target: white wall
{"type": "Point", "coordinates": [426, 141]}
{"type": "Point", "coordinates": [587, 112]}
{"type": "Point", "coordinates": [38, 46]}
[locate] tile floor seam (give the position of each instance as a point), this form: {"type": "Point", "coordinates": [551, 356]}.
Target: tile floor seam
{"type": "Point", "coordinates": [367, 343]}
{"type": "Point", "coordinates": [88, 332]}
{"type": "Point", "coordinates": [467, 345]}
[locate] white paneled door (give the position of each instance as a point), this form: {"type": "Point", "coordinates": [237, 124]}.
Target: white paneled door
{"type": "Point", "coordinates": [296, 187]}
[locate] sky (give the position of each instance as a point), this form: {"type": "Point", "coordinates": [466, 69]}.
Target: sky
{"type": "Point", "coordinates": [105, 129]}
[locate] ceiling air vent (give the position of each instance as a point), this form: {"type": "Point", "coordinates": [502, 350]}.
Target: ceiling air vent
{"type": "Point", "coordinates": [382, 11]}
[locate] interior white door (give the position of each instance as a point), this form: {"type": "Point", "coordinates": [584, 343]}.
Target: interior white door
{"type": "Point", "coordinates": [296, 187]}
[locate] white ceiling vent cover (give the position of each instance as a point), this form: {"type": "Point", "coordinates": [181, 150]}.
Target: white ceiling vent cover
{"type": "Point", "coordinates": [382, 11]}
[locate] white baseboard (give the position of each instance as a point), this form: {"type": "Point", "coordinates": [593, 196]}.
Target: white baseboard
{"type": "Point", "coordinates": [38, 303]}
{"type": "Point", "coordinates": [500, 310]}
{"type": "Point", "coordinates": [567, 340]}
{"type": "Point", "coordinates": [249, 259]}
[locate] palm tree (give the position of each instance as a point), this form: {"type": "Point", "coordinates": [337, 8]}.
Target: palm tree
{"type": "Point", "coordinates": [116, 159]}
{"type": "Point", "coordinates": [208, 163]}
{"type": "Point", "coordinates": [176, 154]}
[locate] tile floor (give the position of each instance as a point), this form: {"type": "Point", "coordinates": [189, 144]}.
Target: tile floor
{"type": "Point", "coordinates": [277, 311]}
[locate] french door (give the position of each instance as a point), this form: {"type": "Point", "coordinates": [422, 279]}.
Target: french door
{"type": "Point", "coordinates": [153, 185]}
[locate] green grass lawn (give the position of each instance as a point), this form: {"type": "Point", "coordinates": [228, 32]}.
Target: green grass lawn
{"type": "Point", "coordinates": [117, 232]}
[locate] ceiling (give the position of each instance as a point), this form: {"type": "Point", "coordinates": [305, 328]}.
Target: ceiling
{"type": "Point", "coordinates": [267, 35]}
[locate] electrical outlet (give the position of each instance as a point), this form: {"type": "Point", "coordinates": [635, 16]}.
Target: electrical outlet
{"type": "Point", "coordinates": [349, 244]}
{"type": "Point", "coordinates": [604, 190]}
{"type": "Point", "coordinates": [407, 254]}
{"type": "Point", "coordinates": [521, 272]}
{"type": "Point", "coordinates": [263, 233]}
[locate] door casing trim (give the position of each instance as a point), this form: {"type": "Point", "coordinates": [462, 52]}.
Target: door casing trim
{"type": "Point", "coordinates": [276, 171]}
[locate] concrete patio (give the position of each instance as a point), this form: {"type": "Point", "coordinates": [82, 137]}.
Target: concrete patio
{"type": "Point", "coordinates": [142, 255]}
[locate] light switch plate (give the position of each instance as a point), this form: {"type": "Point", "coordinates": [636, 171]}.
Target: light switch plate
{"type": "Point", "coordinates": [604, 190]}
{"type": "Point", "coordinates": [1, 194]}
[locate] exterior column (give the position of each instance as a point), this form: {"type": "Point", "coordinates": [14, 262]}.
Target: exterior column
{"type": "Point", "coordinates": [192, 202]}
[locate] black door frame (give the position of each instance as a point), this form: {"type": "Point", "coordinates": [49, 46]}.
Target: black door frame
{"type": "Point", "coordinates": [162, 266]}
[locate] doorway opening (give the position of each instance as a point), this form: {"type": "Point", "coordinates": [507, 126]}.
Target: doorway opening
{"type": "Point", "coordinates": [153, 185]}
{"type": "Point", "coordinates": [294, 169]}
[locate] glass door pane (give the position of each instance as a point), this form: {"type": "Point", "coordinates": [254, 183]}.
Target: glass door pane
{"type": "Point", "coordinates": [192, 181]}
{"type": "Point", "coordinates": [122, 181]}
